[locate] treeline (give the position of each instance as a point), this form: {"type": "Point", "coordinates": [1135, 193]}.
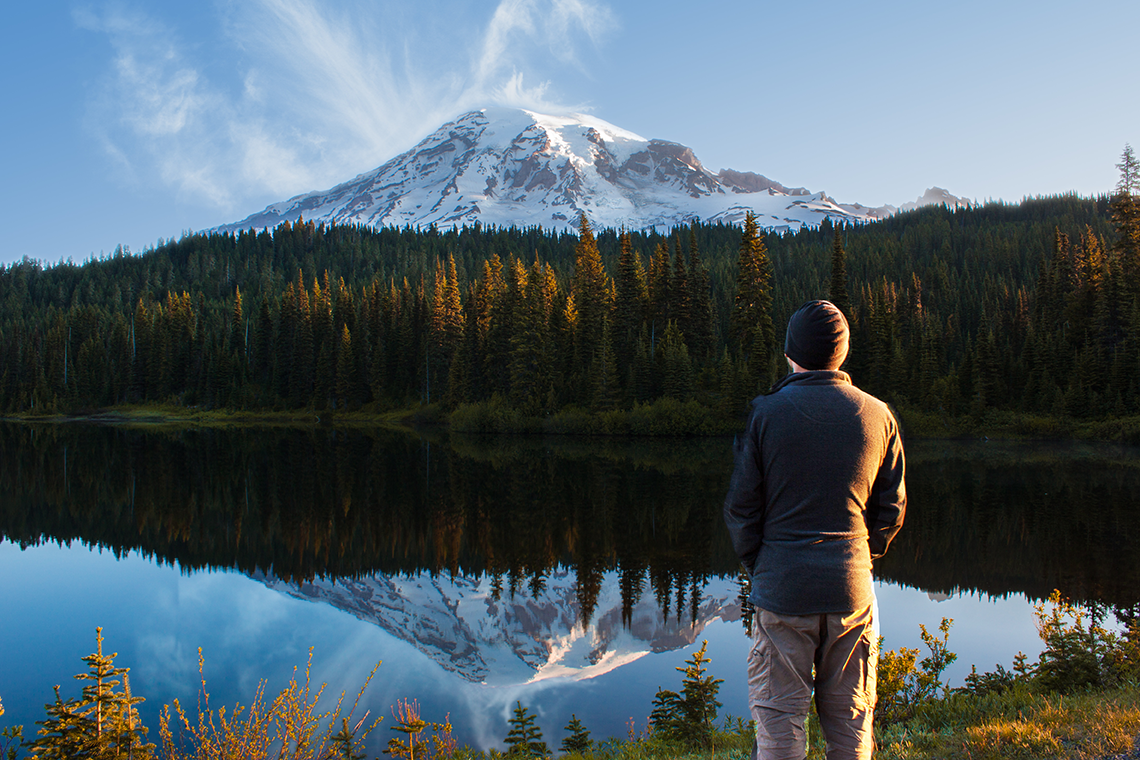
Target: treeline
{"type": "Point", "coordinates": [1030, 307]}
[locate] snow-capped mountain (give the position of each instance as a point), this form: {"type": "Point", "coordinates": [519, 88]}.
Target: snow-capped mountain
{"type": "Point", "coordinates": [460, 624]}
{"type": "Point", "coordinates": [512, 167]}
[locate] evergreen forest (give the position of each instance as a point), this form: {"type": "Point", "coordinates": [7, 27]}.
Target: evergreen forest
{"type": "Point", "coordinates": [1031, 307]}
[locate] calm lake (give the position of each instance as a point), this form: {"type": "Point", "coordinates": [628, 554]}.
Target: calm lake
{"type": "Point", "coordinates": [573, 575]}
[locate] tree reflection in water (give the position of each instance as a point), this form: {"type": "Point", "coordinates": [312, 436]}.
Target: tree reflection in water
{"type": "Point", "coordinates": [301, 504]}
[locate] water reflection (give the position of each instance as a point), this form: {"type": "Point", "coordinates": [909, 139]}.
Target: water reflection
{"type": "Point", "coordinates": [551, 566]}
{"type": "Point", "coordinates": [462, 624]}
{"type": "Point", "coordinates": [304, 504]}
{"type": "Point", "coordinates": [1000, 517]}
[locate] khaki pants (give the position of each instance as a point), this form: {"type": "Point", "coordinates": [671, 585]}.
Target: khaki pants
{"type": "Point", "coordinates": [844, 650]}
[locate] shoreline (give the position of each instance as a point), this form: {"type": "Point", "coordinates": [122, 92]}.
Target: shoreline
{"type": "Point", "coordinates": [680, 421]}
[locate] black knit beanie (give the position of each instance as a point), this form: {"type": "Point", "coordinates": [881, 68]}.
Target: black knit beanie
{"type": "Point", "coordinates": [817, 336]}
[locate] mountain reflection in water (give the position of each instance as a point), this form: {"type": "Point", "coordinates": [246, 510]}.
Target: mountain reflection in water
{"type": "Point", "coordinates": [519, 560]}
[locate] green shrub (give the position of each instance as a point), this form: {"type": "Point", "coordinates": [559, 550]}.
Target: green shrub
{"type": "Point", "coordinates": [495, 415]}
{"type": "Point", "coordinates": [904, 683]}
{"type": "Point", "coordinates": [1074, 650]}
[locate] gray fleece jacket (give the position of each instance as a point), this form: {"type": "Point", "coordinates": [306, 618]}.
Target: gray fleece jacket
{"type": "Point", "coordinates": [816, 494]}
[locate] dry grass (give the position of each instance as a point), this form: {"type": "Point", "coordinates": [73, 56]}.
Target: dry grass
{"type": "Point", "coordinates": [1020, 725]}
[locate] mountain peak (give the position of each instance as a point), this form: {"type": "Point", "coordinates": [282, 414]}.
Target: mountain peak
{"type": "Point", "coordinates": [516, 167]}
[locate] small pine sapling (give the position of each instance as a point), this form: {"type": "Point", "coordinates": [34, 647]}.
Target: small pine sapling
{"type": "Point", "coordinates": [578, 741]}
{"type": "Point", "coordinates": [103, 723]}
{"type": "Point", "coordinates": [525, 738]}
{"type": "Point", "coordinates": [344, 742]}
{"type": "Point", "coordinates": [689, 717]}
{"type": "Point", "coordinates": [666, 716]}
{"type": "Point", "coordinates": [699, 690]}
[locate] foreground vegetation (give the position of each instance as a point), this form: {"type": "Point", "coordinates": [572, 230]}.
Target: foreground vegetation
{"type": "Point", "coordinates": [1081, 699]}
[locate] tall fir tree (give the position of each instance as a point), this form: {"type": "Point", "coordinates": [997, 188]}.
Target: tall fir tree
{"type": "Point", "coordinates": [837, 292]}
{"type": "Point", "coordinates": [345, 370]}
{"type": "Point", "coordinates": [701, 331]}
{"type": "Point", "coordinates": [591, 291]}
{"type": "Point", "coordinates": [752, 328]}
{"type": "Point", "coordinates": [1125, 208]}
{"type": "Point", "coordinates": [630, 299]}
{"type": "Point", "coordinates": [681, 304]}
{"type": "Point", "coordinates": [660, 275]}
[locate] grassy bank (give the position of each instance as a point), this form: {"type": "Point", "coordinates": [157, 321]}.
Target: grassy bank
{"type": "Point", "coordinates": [1018, 425]}
{"type": "Point", "coordinates": [174, 415]}
{"type": "Point", "coordinates": [1020, 723]}
{"type": "Point", "coordinates": [663, 418]}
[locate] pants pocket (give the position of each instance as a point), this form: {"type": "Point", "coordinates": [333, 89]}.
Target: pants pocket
{"type": "Point", "coordinates": [760, 669]}
{"type": "Point", "coordinates": [869, 651]}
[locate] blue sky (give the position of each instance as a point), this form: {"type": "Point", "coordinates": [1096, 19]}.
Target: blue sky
{"type": "Point", "coordinates": [126, 122]}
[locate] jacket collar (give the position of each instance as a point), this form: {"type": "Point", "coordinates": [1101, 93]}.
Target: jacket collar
{"type": "Point", "coordinates": [811, 377]}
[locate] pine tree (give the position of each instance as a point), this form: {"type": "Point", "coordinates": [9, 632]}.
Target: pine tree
{"type": "Point", "coordinates": [837, 293]}
{"type": "Point", "coordinates": [699, 691]}
{"type": "Point", "coordinates": [676, 369]}
{"type": "Point", "coordinates": [237, 326]}
{"type": "Point", "coordinates": [1126, 217]}
{"type": "Point", "coordinates": [667, 714]}
{"type": "Point", "coordinates": [681, 305]}
{"type": "Point", "coordinates": [700, 330]}
{"type": "Point", "coordinates": [752, 328]}
{"type": "Point", "coordinates": [503, 292]}
{"type": "Point", "coordinates": [591, 289]}
{"type": "Point", "coordinates": [578, 741]}
{"type": "Point", "coordinates": [345, 369]}
{"type": "Point", "coordinates": [530, 356]}
{"type": "Point", "coordinates": [446, 324]}
{"type": "Point", "coordinates": [688, 718]}
{"type": "Point", "coordinates": [630, 300]}
{"type": "Point", "coordinates": [103, 724]}
{"type": "Point", "coordinates": [302, 368]}
{"type": "Point", "coordinates": [325, 339]}
{"type": "Point", "coordinates": [660, 274]}
{"type": "Point", "coordinates": [525, 738]}
{"type": "Point", "coordinates": [603, 372]}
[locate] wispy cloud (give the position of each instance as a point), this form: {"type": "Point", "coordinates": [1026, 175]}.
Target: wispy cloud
{"type": "Point", "coordinates": [312, 91]}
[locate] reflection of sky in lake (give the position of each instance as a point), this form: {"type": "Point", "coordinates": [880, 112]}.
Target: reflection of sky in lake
{"type": "Point", "coordinates": [156, 618]}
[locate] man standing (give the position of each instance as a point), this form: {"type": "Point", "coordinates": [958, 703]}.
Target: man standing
{"type": "Point", "coordinates": [817, 493]}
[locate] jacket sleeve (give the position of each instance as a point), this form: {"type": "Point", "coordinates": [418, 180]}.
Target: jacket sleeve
{"type": "Point", "coordinates": [744, 505]}
{"type": "Point", "coordinates": [887, 506]}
